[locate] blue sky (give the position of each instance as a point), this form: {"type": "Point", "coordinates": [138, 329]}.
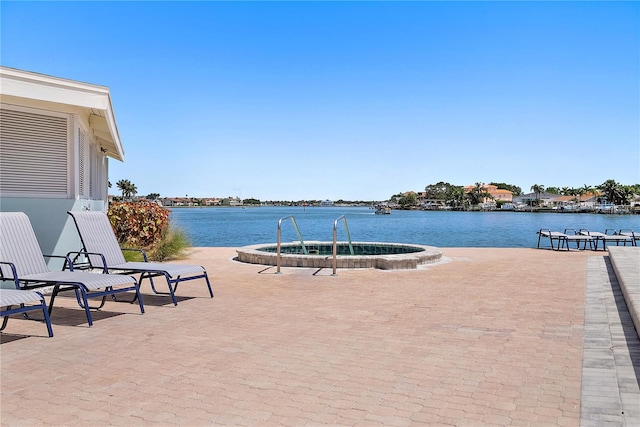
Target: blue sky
{"type": "Point", "coordinates": [349, 100]}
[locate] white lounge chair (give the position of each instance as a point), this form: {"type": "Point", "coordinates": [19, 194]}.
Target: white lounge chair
{"type": "Point", "coordinates": [629, 233]}
{"type": "Point", "coordinates": [13, 297]}
{"type": "Point", "coordinates": [101, 247]}
{"type": "Point", "coordinates": [22, 262]}
{"type": "Point", "coordinates": [563, 239]}
{"type": "Point", "coordinates": [607, 238]}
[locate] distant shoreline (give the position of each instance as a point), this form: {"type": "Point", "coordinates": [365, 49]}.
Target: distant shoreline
{"type": "Point", "coordinates": [534, 210]}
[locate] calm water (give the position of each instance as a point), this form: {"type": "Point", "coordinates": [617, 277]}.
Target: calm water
{"type": "Point", "coordinates": [239, 227]}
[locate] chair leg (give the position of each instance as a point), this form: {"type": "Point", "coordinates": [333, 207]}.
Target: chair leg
{"type": "Point", "coordinates": [104, 299]}
{"type": "Point", "coordinates": [85, 303]}
{"type": "Point", "coordinates": [5, 320]}
{"type": "Point", "coordinates": [153, 288]}
{"type": "Point", "coordinates": [139, 297]}
{"type": "Point", "coordinates": [206, 277]}
{"type": "Point", "coordinates": [172, 290]}
{"type": "Point", "coordinates": [172, 284]}
{"type": "Point", "coordinates": [24, 310]}
{"type": "Point", "coordinates": [169, 284]}
{"type": "Point", "coordinates": [47, 319]}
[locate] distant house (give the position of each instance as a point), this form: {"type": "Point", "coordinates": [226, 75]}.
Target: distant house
{"type": "Point", "coordinates": [495, 194]}
{"type": "Point", "coordinates": [232, 201]}
{"type": "Point", "coordinates": [579, 202]}
{"type": "Point", "coordinates": [527, 199]}
{"type": "Point", "coordinates": [56, 136]}
{"type": "Point", "coordinates": [499, 194]}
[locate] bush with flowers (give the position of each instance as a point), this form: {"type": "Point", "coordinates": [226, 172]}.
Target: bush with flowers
{"type": "Point", "coordinates": [145, 225]}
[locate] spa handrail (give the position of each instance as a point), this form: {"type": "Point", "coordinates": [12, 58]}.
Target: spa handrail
{"type": "Point", "coordinates": [335, 240]}
{"type": "Point", "coordinates": [295, 225]}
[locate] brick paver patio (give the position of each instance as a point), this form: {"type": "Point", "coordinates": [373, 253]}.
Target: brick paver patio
{"type": "Point", "coordinates": [491, 337]}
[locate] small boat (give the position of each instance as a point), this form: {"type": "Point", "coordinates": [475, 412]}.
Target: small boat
{"type": "Point", "coordinates": [382, 209]}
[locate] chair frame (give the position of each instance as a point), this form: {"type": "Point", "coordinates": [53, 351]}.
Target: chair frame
{"type": "Point", "coordinates": [24, 309]}
{"type": "Point", "coordinates": [82, 292]}
{"type": "Point", "coordinates": [605, 237]}
{"type": "Point", "coordinates": [145, 273]}
{"type": "Point", "coordinates": [564, 239]}
{"type": "Point", "coordinates": [630, 233]}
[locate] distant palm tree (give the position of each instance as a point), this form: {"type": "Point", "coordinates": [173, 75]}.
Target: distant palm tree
{"type": "Point", "coordinates": [613, 191]}
{"type": "Point", "coordinates": [123, 186]}
{"type": "Point", "coordinates": [627, 194]}
{"type": "Point", "coordinates": [477, 194]}
{"type": "Point", "coordinates": [538, 189]}
{"type": "Point", "coordinates": [127, 188]}
{"type": "Point", "coordinates": [455, 197]}
{"type": "Point", "coordinates": [584, 190]}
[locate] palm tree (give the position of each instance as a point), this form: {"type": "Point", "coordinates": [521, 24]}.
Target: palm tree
{"type": "Point", "coordinates": [123, 186]}
{"type": "Point", "coordinates": [128, 189]}
{"type": "Point", "coordinates": [455, 197]}
{"type": "Point", "coordinates": [477, 194]}
{"type": "Point", "coordinates": [538, 189]}
{"type": "Point", "coordinates": [553, 190]}
{"type": "Point", "coordinates": [133, 190]}
{"type": "Point", "coordinates": [612, 191]}
{"type": "Point", "coordinates": [627, 194]}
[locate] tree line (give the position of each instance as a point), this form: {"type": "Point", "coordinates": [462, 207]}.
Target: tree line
{"type": "Point", "coordinates": [609, 191]}
{"type": "Point", "coordinates": [452, 195]}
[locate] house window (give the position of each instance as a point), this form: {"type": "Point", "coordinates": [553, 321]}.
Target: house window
{"type": "Point", "coordinates": [33, 153]}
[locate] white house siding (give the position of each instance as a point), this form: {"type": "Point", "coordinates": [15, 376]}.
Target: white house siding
{"type": "Point", "coordinates": [49, 165]}
{"type": "Point", "coordinates": [55, 136]}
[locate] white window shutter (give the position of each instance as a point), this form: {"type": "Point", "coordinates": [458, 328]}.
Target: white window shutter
{"type": "Point", "coordinates": [83, 164]}
{"type": "Point", "coordinates": [33, 153]}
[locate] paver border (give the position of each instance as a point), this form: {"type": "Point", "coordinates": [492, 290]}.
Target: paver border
{"type": "Point", "coordinates": [610, 391]}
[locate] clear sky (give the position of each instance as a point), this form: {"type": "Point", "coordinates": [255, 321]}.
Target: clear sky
{"type": "Point", "coordinates": [349, 100]}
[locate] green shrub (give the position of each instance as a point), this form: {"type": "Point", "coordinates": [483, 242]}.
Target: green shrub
{"type": "Point", "coordinates": [133, 256]}
{"type": "Point", "coordinates": [145, 225]}
{"type": "Point", "coordinates": [172, 245]}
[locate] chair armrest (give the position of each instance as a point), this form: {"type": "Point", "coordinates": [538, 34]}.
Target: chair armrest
{"type": "Point", "coordinates": [144, 254]}
{"type": "Point", "coordinates": [67, 261]}
{"type": "Point", "coordinates": [14, 273]}
{"type": "Point", "coordinates": [104, 267]}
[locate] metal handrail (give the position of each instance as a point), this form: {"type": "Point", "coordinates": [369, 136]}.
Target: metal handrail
{"type": "Point", "coordinates": [295, 225]}
{"type": "Point", "coordinates": [335, 241]}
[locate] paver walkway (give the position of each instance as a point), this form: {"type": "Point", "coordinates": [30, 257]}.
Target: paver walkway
{"type": "Point", "coordinates": [492, 337]}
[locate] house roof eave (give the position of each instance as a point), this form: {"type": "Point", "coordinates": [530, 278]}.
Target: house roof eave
{"type": "Point", "coordinates": [93, 98]}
